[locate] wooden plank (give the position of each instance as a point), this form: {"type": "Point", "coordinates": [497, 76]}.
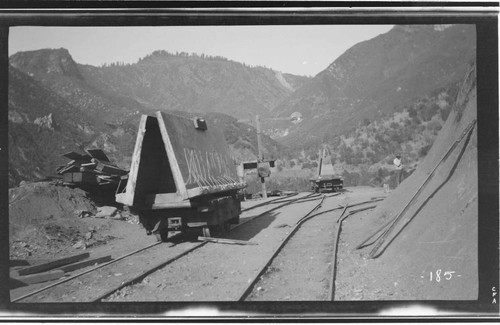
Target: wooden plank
{"type": "Point", "coordinates": [198, 159]}
{"type": "Point", "coordinates": [166, 200]}
{"type": "Point", "coordinates": [86, 177]}
{"type": "Point", "coordinates": [79, 265]}
{"type": "Point", "coordinates": [69, 169]}
{"type": "Point", "coordinates": [73, 155]}
{"type": "Point", "coordinates": [227, 241]}
{"type": "Point", "coordinates": [97, 154]}
{"type": "Point", "coordinates": [172, 158]}
{"type": "Point", "coordinates": [129, 195]}
{"type": "Point", "coordinates": [53, 264]}
{"type": "Point", "coordinates": [90, 164]}
{"type": "Point", "coordinates": [19, 263]}
{"type": "Point", "coordinates": [40, 277]}
{"type": "Point", "coordinates": [110, 169]}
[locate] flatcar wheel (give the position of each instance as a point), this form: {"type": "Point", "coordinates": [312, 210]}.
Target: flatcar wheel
{"type": "Point", "coordinates": [206, 232]}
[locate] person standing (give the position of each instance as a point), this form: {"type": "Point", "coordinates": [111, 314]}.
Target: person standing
{"type": "Point", "coordinates": [398, 165]}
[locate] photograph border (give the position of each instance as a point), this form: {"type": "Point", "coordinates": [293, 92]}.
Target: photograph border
{"type": "Point", "coordinates": [125, 13]}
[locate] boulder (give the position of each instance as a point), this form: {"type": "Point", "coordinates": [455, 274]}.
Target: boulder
{"type": "Point", "coordinates": [80, 244]}
{"type": "Point", "coordinates": [106, 212]}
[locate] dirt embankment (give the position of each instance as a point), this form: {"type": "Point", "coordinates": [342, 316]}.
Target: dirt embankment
{"type": "Point", "coordinates": [49, 221]}
{"type": "Point", "coordinates": [431, 253]}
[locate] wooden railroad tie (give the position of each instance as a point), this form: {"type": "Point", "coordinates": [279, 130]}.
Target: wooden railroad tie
{"type": "Point", "coordinates": [53, 264]}
{"type": "Point", "coordinates": [227, 241]}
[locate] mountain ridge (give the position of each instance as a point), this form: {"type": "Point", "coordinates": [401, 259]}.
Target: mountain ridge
{"type": "Point", "coordinates": [163, 80]}
{"type": "Point", "coordinates": [377, 76]}
{"type": "Point", "coordinates": [49, 88]}
{"type": "Point", "coordinates": [401, 83]}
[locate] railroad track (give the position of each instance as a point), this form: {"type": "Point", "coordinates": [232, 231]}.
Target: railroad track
{"type": "Point", "coordinates": [250, 289]}
{"type": "Point", "coordinates": [163, 264]}
{"type": "Point", "coordinates": [94, 275]}
{"type": "Point", "coordinates": [177, 290]}
{"type": "Point", "coordinates": [103, 285]}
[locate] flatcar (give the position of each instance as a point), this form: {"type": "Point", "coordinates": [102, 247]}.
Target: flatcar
{"type": "Point", "coordinates": [182, 177]}
{"type": "Point", "coordinates": [326, 180]}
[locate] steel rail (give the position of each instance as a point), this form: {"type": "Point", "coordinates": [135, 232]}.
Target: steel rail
{"type": "Point", "coordinates": [316, 198]}
{"type": "Point", "coordinates": [343, 211]}
{"type": "Point", "coordinates": [310, 196]}
{"type": "Point", "coordinates": [269, 202]}
{"type": "Point", "coordinates": [147, 272]}
{"type": "Point", "coordinates": [342, 207]}
{"type": "Point", "coordinates": [158, 266]}
{"type": "Point", "coordinates": [164, 263]}
{"type": "Point", "coordinates": [333, 273]}
{"type": "Point", "coordinates": [248, 290]}
{"type": "Point", "coordinates": [270, 210]}
{"type": "Point", "coordinates": [84, 272]}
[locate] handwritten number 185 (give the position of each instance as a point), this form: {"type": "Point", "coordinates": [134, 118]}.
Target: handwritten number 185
{"type": "Point", "coordinates": [447, 275]}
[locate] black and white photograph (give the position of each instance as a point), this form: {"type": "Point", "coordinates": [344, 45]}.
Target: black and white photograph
{"type": "Point", "coordinates": [250, 162]}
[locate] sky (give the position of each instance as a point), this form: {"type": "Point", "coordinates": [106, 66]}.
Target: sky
{"type": "Point", "coordinates": [301, 50]}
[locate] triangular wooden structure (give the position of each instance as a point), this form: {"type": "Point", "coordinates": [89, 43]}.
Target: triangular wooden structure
{"type": "Point", "coordinates": [176, 160]}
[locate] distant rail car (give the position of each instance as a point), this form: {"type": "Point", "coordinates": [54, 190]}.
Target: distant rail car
{"type": "Point", "coordinates": [326, 180]}
{"type": "Point", "coordinates": [182, 177]}
{"type": "Point", "coordinates": [327, 183]}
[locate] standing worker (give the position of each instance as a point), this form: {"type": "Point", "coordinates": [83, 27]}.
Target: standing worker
{"type": "Point", "coordinates": [399, 168]}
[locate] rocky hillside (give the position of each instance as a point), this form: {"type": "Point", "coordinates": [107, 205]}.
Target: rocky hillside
{"type": "Point", "coordinates": [162, 81]}
{"type": "Point", "coordinates": [197, 83]}
{"type": "Point", "coordinates": [57, 71]}
{"type": "Point", "coordinates": [42, 126]}
{"type": "Point", "coordinates": [378, 77]}
{"type": "Point", "coordinates": [57, 106]}
{"type": "Point", "coordinates": [391, 94]}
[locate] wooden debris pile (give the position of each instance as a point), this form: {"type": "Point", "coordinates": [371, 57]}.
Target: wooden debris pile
{"type": "Point", "coordinates": [91, 169]}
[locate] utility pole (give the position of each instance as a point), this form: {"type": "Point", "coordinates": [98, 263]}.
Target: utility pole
{"type": "Point", "coordinates": [320, 160]}
{"type": "Point", "coordinates": [260, 158]}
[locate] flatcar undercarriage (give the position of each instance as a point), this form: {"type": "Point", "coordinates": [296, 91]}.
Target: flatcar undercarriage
{"type": "Point", "coordinates": [205, 215]}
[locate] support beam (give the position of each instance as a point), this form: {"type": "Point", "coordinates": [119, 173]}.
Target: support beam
{"type": "Point", "coordinates": [261, 157]}
{"type": "Point", "coordinates": [82, 264]}
{"type": "Point", "coordinates": [53, 264]}
{"type": "Point", "coordinates": [40, 277]}
{"type": "Point", "coordinates": [227, 241]}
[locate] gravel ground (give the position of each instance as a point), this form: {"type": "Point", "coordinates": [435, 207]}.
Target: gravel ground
{"type": "Point", "coordinates": [302, 270]}
{"type": "Point", "coordinates": [219, 272]}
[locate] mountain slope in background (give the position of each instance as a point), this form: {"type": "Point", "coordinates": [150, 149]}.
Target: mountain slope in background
{"type": "Point", "coordinates": [44, 125]}
{"type": "Point", "coordinates": [161, 81]}
{"type": "Point", "coordinates": [378, 77]}
{"type": "Point", "coordinates": [385, 95]}
{"type": "Point", "coordinates": [55, 107]}
{"type": "Point", "coordinates": [57, 71]}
